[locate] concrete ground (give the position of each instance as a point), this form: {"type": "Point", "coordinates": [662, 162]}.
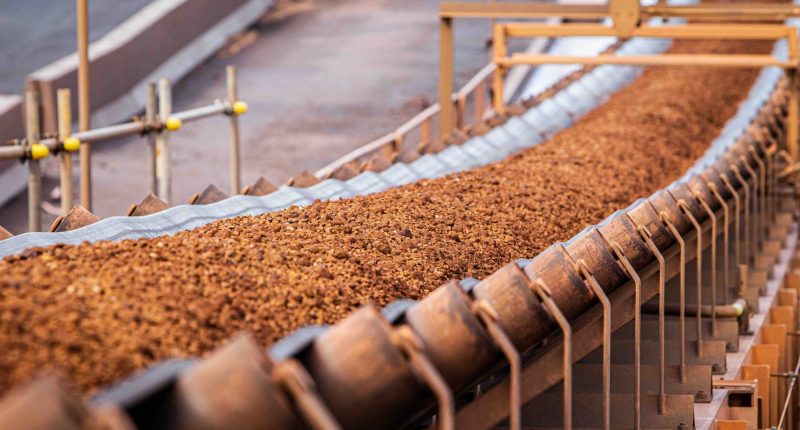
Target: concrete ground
{"type": "Point", "coordinates": [321, 78]}
{"type": "Point", "coordinates": [43, 31]}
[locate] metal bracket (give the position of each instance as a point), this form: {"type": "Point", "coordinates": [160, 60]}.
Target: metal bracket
{"type": "Point", "coordinates": [682, 287]}
{"type": "Point", "coordinates": [637, 329]}
{"type": "Point", "coordinates": [488, 316]}
{"type": "Point", "coordinates": [685, 208]}
{"type": "Point", "coordinates": [581, 267]}
{"type": "Point", "coordinates": [648, 239]}
{"type": "Point", "coordinates": [713, 217]}
{"type": "Point", "coordinates": [746, 209]}
{"type": "Point", "coordinates": [606, 303]}
{"type": "Point", "coordinates": [546, 296]}
{"type": "Point", "coordinates": [736, 208]}
{"type": "Point", "coordinates": [625, 15]}
{"type": "Point", "coordinates": [756, 212]}
{"type": "Point", "coordinates": [725, 241]}
{"type": "Point", "coordinates": [410, 345]}
{"type": "Point", "coordinates": [762, 207]}
{"type": "Point", "coordinates": [302, 390]}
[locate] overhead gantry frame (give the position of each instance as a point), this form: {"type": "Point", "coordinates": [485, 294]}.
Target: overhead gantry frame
{"type": "Point", "coordinates": [629, 19]}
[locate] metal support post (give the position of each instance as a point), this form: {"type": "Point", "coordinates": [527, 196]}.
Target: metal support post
{"type": "Point", "coordinates": [84, 111]}
{"type": "Point", "coordinates": [64, 130]}
{"type": "Point", "coordinates": [34, 169]}
{"type": "Point", "coordinates": [163, 147]}
{"type": "Point", "coordinates": [498, 76]}
{"type": "Point", "coordinates": [446, 119]}
{"type": "Point", "coordinates": [235, 157]}
{"type": "Point", "coordinates": [151, 120]}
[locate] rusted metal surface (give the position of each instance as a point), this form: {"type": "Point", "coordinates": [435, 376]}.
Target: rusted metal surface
{"type": "Point", "coordinates": [150, 205]}
{"type": "Point", "coordinates": [211, 194]}
{"type": "Point", "coordinates": [355, 364]}
{"type": "Point", "coordinates": [230, 389]}
{"type": "Point", "coordinates": [518, 310]}
{"type": "Point", "coordinates": [304, 180]}
{"type": "Point", "coordinates": [261, 187]}
{"type": "Point", "coordinates": [4, 234]}
{"type": "Point", "coordinates": [44, 403]}
{"type": "Point", "coordinates": [77, 217]}
{"type": "Point", "coordinates": [361, 362]}
{"type": "Point", "coordinates": [372, 371]}
{"type": "Point", "coordinates": [465, 351]}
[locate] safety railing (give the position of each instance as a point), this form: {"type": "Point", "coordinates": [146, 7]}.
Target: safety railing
{"type": "Point", "coordinates": [469, 102]}
{"type": "Point", "coordinates": [156, 126]}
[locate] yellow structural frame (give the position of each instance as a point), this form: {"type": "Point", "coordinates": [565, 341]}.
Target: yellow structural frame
{"type": "Point", "coordinates": [627, 17]}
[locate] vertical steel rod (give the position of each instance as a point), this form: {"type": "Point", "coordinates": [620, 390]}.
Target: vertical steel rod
{"type": "Point", "coordinates": [64, 130]}
{"type": "Point", "coordinates": [446, 120]}
{"type": "Point", "coordinates": [235, 158]}
{"type": "Point", "coordinates": [84, 111]}
{"type": "Point", "coordinates": [163, 147]}
{"type": "Point", "coordinates": [499, 45]}
{"type": "Point", "coordinates": [34, 169]}
{"type": "Point", "coordinates": [151, 118]}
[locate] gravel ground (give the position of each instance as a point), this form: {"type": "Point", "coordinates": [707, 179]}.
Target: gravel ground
{"type": "Point", "coordinates": [99, 312]}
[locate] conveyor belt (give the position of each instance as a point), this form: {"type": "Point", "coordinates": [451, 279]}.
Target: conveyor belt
{"type": "Point", "coordinates": [520, 132]}
{"type": "Point", "coordinates": [368, 373]}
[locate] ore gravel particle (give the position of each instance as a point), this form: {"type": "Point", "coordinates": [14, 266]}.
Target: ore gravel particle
{"type": "Point", "coordinates": [99, 312]}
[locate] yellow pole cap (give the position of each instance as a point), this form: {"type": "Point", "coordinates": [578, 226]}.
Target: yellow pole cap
{"type": "Point", "coordinates": [173, 124]}
{"type": "Point", "coordinates": [739, 309]}
{"type": "Point", "coordinates": [239, 108]}
{"type": "Point", "coordinates": [71, 144]}
{"type": "Point", "coordinates": [39, 151]}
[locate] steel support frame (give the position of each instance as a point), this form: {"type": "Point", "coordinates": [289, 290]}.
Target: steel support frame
{"type": "Point", "coordinates": [543, 369]}
{"type": "Point", "coordinates": [627, 17]}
